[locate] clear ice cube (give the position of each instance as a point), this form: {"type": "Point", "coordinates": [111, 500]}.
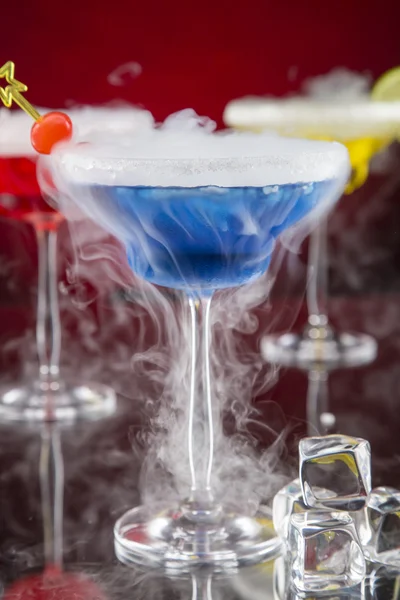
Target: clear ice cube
{"type": "Point", "coordinates": [287, 501]}
{"type": "Point", "coordinates": [283, 590]}
{"type": "Point", "coordinates": [379, 526]}
{"type": "Point", "coordinates": [382, 584]}
{"type": "Point", "coordinates": [339, 463]}
{"type": "Point", "coordinates": [325, 552]}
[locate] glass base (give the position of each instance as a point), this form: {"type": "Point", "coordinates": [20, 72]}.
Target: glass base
{"type": "Point", "coordinates": [184, 539]}
{"type": "Point", "coordinates": [319, 346]}
{"type": "Point", "coordinates": [56, 401]}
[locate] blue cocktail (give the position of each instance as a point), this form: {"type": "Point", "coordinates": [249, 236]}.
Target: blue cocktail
{"type": "Point", "coordinates": [199, 213]}
{"type": "Point", "coordinates": [204, 238]}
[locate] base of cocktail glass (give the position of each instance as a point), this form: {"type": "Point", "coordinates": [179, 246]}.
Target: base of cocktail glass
{"type": "Point", "coordinates": [187, 537]}
{"type": "Point", "coordinates": [44, 401]}
{"type": "Point", "coordinates": [321, 346]}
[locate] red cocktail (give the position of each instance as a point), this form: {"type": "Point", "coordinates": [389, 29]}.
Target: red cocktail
{"type": "Point", "coordinates": [20, 196]}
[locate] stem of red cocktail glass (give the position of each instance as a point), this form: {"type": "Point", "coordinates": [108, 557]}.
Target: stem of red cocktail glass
{"type": "Point", "coordinates": [200, 426]}
{"type": "Point", "coordinates": [48, 329]}
{"type": "Point", "coordinates": [52, 489]}
{"type": "Point", "coordinates": [317, 289]}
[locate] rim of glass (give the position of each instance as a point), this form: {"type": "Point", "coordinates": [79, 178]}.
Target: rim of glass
{"type": "Point", "coordinates": [305, 103]}
{"type": "Point", "coordinates": [362, 117]}
{"type": "Point", "coordinates": [317, 162]}
{"type": "Point", "coordinates": [77, 149]}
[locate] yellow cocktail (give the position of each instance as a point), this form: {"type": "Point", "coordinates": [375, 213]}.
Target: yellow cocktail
{"type": "Point", "coordinates": [366, 124]}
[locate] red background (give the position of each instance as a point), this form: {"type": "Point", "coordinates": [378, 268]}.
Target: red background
{"type": "Point", "coordinates": [193, 54]}
{"type": "Point", "coordinates": [201, 55]}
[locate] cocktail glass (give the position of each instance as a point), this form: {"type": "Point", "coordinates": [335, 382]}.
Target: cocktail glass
{"type": "Point", "coordinates": [365, 127]}
{"type": "Point", "coordinates": [199, 221]}
{"type": "Point", "coordinates": [50, 397]}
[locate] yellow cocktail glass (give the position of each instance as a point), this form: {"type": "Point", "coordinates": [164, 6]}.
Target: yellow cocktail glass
{"type": "Point", "coordinates": [366, 125]}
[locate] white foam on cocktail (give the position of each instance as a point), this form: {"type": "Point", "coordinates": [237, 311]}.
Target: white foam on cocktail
{"type": "Point", "coordinates": [15, 126]}
{"type": "Point", "coordinates": [197, 157]}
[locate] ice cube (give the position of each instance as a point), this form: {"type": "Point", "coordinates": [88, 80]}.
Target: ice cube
{"type": "Point", "coordinates": [379, 526]}
{"type": "Point", "coordinates": [287, 501]}
{"type": "Point", "coordinates": [284, 591]}
{"type": "Point", "coordinates": [382, 584]}
{"type": "Point", "coordinates": [325, 552]}
{"type": "Point", "coordinates": [339, 463]}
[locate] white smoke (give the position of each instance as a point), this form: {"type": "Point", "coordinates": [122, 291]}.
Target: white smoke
{"type": "Point", "coordinates": [340, 84]}
{"type": "Point", "coordinates": [124, 74]}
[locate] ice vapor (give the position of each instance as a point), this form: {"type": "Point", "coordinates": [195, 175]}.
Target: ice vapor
{"type": "Point", "coordinates": [340, 84]}
{"type": "Point", "coordinates": [124, 74]}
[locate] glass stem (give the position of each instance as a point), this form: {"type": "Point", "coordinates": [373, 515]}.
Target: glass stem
{"type": "Point", "coordinates": [317, 289]}
{"type": "Point", "coordinates": [48, 329]}
{"type": "Point", "coordinates": [317, 401]}
{"type": "Point", "coordinates": [200, 427]}
{"type": "Point", "coordinates": [202, 588]}
{"type": "Point", "coordinates": [52, 490]}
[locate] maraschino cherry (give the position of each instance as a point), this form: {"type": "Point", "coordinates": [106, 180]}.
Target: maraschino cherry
{"type": "Point", "coordinates": [50, 129]}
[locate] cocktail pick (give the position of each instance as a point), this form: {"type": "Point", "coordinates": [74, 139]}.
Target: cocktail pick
{"type": "Point", "coordinates": [48, 129]}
